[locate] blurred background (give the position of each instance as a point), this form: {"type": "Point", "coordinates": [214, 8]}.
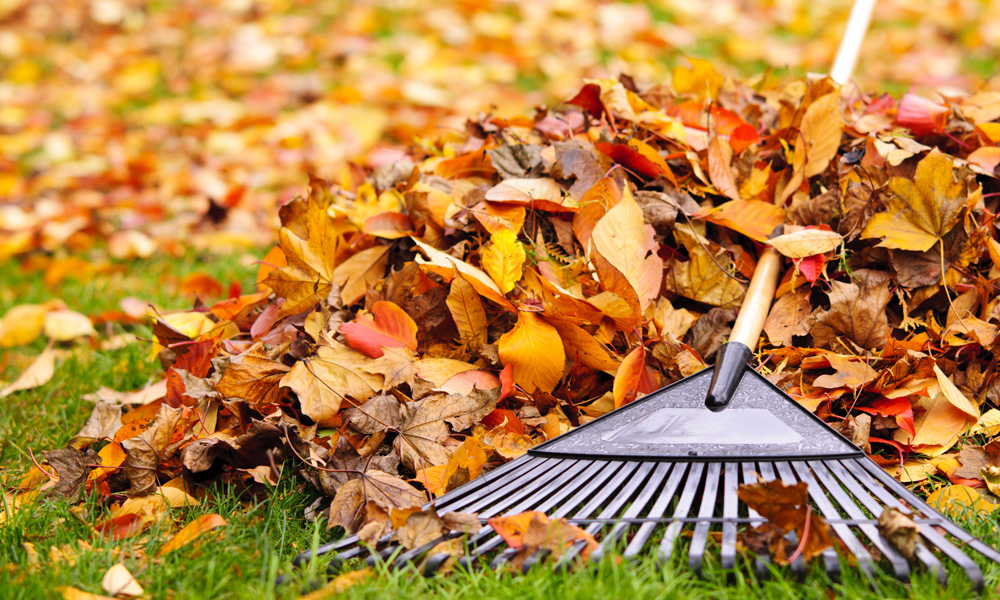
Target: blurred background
{"type": "Point", "coordinates": [136, 127]}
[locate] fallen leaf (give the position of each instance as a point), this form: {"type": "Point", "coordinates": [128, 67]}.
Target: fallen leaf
{"type": "Point", "coordinates": [467, 311]}
{"type": "Point", "coordinates": [386, 326]}
{"type": "Point", "coordinates": [22, 325]}
{"type": "Point", "coordinates": [625, 241]}
{"type": "Point", "coordinates": [503, 259]}
{"type": "Point", "coordinates": [118, 581]}
{"type": "Point", "coordinates": [899, 531]}
{"type": "Point", "coordinates": [67, 325]}
{"type": "Point", "coordinates": [191, 532]}
{"type": "Point", "coordinates": [535, 350]}
{"type": "Point", "coordinates": [919, 212]}
{"type": "Point", "coordinates": [37, 374]}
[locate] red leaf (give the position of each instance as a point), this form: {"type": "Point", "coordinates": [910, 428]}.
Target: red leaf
{"type": "Point", "coordinates": [386, 326]}
{"type": "Point", "coordinates": [633, 378]}
{"type": "Point", "coordinates": [893, 407]}
{"type": "Point", "coordinates": [506, 381]}
{"type": "Point", "coordinates": [589, 99]}
{"type": "Point", "coordinates": [496, 419]}
{"type": "Point", "coordinates": [631, 159]}
{"type": "Point", "coordinates": [811, 266]}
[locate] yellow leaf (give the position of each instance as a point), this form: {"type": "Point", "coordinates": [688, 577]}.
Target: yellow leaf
{"type": "Point", "coordinates": [585, 349]}
{"type": "Point", "coordinates": [503, 259]}
{"type": "Point", "coordinates": [921, 211]}
{"type": "Point", "coordinates": [535, 350]}
{"type": "Point", "coordinates": [339, 585]}
{"type": "Point", "coordinates": [118, 581]}
{"type": "Point", "coordinates": [625, 241]}
{"type": "Point", "coordinates": [753, 218]}
{"type": "Point", "coordinates": [445, 264]}
{"type": "Point", "coordinates": [66, 325]}
{"type": "Point", "coordinates": [988, 424]}
{"type": "Point", "coordinates": [950, 414]}
{"type": "Point", "coordinates": [467, 311]}
{"type": "Point", "coordinates": [960, 501]}
{"type": "Point", "coordinates": [359, 272]}
{"type": "Point", "coordinates": [38, 373]}
{"type": "Point", "coordinates": [191, 532]}
{"type": "Point", "coordinates": [702, 278]}
{"type": "Point", "coordinates": [806, 242]}
{"type": "Point", "coordinates": [701, 79]}
{"type": "Point", "coordinates": [324, 380]}
{"type": "Point", "coordinates": [72, 593]}
{"type": "Point", "coordinates": [821, 129]}
{"type": "Point", "coordinates": [22, 325]}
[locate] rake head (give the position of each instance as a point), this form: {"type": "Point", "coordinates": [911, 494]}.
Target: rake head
{"type": "Point", "coordinates": [643, 477]}
{"type": "Point", "coordinates": [647, 506]}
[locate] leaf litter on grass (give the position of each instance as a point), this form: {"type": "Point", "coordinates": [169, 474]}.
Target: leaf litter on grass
{"type": "Point", "coordinates": [439, 307]}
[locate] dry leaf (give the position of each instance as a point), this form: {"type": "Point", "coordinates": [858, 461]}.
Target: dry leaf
{"type": "Point", "coordinates": [503, 259]}
{"type": "Point", "coordinates": [118, 581]}
{"type": "Point", "coordinates": [37, 374]}
{"type": "Point", "coordinates": [625, 241]}
{"type": "Point", "coordinates": [191, 532]}
{"type": "Point", "coordinates": [535, 350]}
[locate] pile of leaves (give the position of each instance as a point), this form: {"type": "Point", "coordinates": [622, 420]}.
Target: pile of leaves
{"type": "Point", "coordinates": [141, 128]}
{"type": "Point", "coordinates": [435, 317]}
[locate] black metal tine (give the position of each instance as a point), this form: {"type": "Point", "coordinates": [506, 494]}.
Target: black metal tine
{"type": "Point", "coordinates": [562, 485]}
{"type": "Point", "coordinates": [659, 507]}
{"type": "Point", "coordinates": [970, 540]}
{"type": "Point", "coordinates": [618, 472]}
{"type": "Point", "coordinates": [516, 489]}
{"type": "Point", "coordinates": [696, 553]}
{"type": "Point", "coordinates": [503, 557]}
{"type": "Point", "coordinates": [526, 462]}
{"type": "Point", "coordinates": [844, 532]}
{"type": "Point", "coordinates": [530, 494]}
{"type": "Point", "coordinates": [900, 566]}
{"type": "Point", "coordinates": [487, 494]}
{"type": "Point", "coordinates": [621, 496]}
{"type": "Point", "coordinates": [750, 476]}
{"type": "Point", "coordinates": [875, 507]}
{"type": "Point", "coordinates": [683, 506]}
{"type": "Point", "coordinates": [730, 507]}
{"type": "Point", "coordinates": [634, 510]}
{"type": "Point", "coordinates": [972, 570]}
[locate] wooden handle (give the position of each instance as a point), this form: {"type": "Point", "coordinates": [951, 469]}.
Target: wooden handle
{"type": "Point", "coordinates": [757, 301]}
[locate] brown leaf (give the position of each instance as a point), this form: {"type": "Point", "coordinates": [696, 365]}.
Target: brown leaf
{"type": "Point", "coordinates": [73, 467]}
{"type": "Point", "coordinates": [256, 378]}
{"type": "Point", "coordinates": [857, 312]}
{"type": "Point", "coordinates": [720, 154]}
{"type": "Point", "coordinates": [899, 531]}
{"type": "Point", "coordinates": [425, 424]}
{"type": "Point", "coordinates": [709, 275]}
{"type": "Point", "coordinates": [323, 381]}
{"type": "Point", "coordinates": [976, 458]}
{"type": "Point", "coordinates": [786, 508]}
{"type": "Point", "coordinates": [790, 316]}
{"type": "Point", "coordinates": [146, 450]}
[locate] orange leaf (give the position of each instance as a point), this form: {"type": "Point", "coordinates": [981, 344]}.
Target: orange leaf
{"type": "Point", "coordinates": [720, 154]}
{"type": "Point", "coordinates": [632, 378]}
{"type": "Point", "coordinates": [386, 326]}
{"type": "Point", "coordinates": [191, 532]}
{"type": "Point", "coordinates": [535, 350]}
{"type": "Point", "coordinates": [755, 219]}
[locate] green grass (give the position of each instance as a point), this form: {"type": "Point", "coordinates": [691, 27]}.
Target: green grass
{"type": "Point", "coordinates": [267, 528]}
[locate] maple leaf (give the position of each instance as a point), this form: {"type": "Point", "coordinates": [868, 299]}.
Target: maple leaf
{"type": "Point", "coordinates": [424, 424]}
{"type": "Point", "coordinates": [324, 381]}
{"type": "Point", "coordinates": [256, 378]}
{"type": "Point", "coordinates": [706, 276]}
{"type": "Point", "coordinates": [386, 326]}
{"type": "Point", "coordinates": [857, 312]}
{"type": "Point", "coordinates": [503, 259]}
{"type": "Point", "coordinates": [786, 509]}
{"type": "Point", "coordinates": [919, 212]}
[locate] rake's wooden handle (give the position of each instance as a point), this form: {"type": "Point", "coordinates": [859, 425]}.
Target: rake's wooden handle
{"type": "Point", "coordinates": [734, 355]}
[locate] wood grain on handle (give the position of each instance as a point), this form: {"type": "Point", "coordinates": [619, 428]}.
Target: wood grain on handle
{"type": "Point", "coordinates": [757, 301]}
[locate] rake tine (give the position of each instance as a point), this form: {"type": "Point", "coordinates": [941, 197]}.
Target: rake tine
{"type": "Point", "coordinates": [761, 561]}
{"type": "Point", "coordinates": [489, 494]}
{"type": "Point", "coordinates": [972, 570]}
{"type": "Point", "coordinates": [595, 474]}
{"type": "Point", "coordinates": [636, 475]}
{"type": "Point", "coordinates": [730, 507]}
{"type": "Point", "coordinates": [636, 508]}
{"type": "Point", "coordinates": [699, 540]}
{"type": "Point", "coordinates": [865, 560]}
{"type": "Point", "coordinates": [683, 506]}
{"type": "Point", "coordinates": [915, 501]}
{"type": "Point", "coordinates": [875, 508]}
{"type": "Point", "coordinates": [900, 567]}
{"type": "Point", "coordinates": [659, 507]}
{"type": "Point", "coordinates": [535, 559]}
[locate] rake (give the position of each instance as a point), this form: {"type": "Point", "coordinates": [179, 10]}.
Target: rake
{"type": "Point", "coordinates": [666, 467]}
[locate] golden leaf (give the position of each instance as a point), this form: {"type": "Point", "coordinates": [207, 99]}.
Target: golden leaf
{"type": "Point", "coordinates": [467, 311]}
{"type": "Point", "coordinates": [503, 259]}
{"type": "Point", "coordinates": [921, 211]}
{"type": "Point", "coordinates": [821, 129]}
{"type": "Point", "coordinates": [625, 241]}
{"type": "Point", "coordinates": [535, 350]}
